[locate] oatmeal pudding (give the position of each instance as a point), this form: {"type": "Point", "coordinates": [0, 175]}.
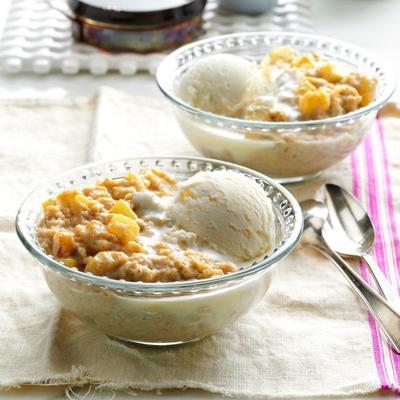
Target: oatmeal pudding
{"type": "Point", "coordinates": [148, 227]}
{"type": "Point", "coordinates": [285, 86]}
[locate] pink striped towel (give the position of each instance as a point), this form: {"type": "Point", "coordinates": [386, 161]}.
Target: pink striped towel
{"type": "Point", "coordinates": [372, 184]}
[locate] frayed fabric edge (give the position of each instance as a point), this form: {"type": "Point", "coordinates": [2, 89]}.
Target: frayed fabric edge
{"type": "Point", "coordinates": [78, 376]}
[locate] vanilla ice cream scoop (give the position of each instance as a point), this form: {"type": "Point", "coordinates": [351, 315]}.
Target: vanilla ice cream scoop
{"type": "Point", "coordinates": [219, 83]}
{"type": "Point", "coordinates": [228, 210]}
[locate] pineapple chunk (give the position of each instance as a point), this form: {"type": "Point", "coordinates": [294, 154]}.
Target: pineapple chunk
{"type": "Point", "coordinates": [106, 262]}
{"type": "Point", "coordinates": [123, 227]}
{"type": "Point", "coordinates": [314, 103]}
{"type": "Point", "coordinates": [67, 197]}
{"type": "Point", "coordinates": [82, 200]}
{"type": "Point", "coordinates": [134, 247]}
{"type": "Point", "coordinates": [304, 61]}
{"type": "Point", "coordinates": [306, 86]}
{"type": "Point", "coordinates": [366, 88]}
{"type": "Point", "coordinates": [136, 180]}
{"type": "Point", "coordinates": [328, 72]}
{"type": "Point", "coordinates": [69, 262]}
{"type": "Point", "coordinates": [49, 203]}
{"type": "Point", "coordinates": [79, 203]}
{"type": "Point", "coordinates": [122, 207]}
{"type": "Point", "coordinates": [283, 53]}
{"type": "Point", "coordinates": [63, 244]}
{"type": "Point", "coordinates": [163, 175]}
{"type": "Point", "coordinates": [318, 82]}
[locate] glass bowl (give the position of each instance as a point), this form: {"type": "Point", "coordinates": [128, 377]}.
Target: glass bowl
{"type": "Point", "coordinates": [158, 313]}
{"type": "Point", "coordinates": [286, 151]}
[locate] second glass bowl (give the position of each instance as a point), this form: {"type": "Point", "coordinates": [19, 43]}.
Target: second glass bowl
{"type": "Point", "coordinates": [287, 151]}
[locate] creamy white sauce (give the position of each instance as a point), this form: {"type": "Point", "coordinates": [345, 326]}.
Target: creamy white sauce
{"type": "Point", "coordinates": [148, 200]}
{"type": "Point", "coordinates": [280, 93]}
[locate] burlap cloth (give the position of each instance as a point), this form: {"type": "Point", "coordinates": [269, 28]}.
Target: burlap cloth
{"type": "Point", "coordinates": [310, 336]}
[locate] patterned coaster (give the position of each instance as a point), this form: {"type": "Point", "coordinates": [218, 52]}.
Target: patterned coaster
{"type": "Point", "coordinates": [38, 39]}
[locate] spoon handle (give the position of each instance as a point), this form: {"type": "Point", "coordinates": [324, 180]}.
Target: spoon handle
{"type": "Point", "coordinates": [381, 280]}
{"type": "Point", "coordinates": [386, 316]}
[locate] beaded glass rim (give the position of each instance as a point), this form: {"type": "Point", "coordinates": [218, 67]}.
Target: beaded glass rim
{"type": "Point", "coordinates": [30, 211]}
{"type": "Point", "coordinates": [175, 62]}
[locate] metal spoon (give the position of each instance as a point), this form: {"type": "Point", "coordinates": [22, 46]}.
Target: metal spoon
{"type": "Point", "coordinates": [315, 214]}
{"type": "Point", "coordinates": [352, 233]}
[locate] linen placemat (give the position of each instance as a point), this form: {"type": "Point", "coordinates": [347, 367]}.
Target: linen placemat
{"type": "Point", "coordinates": [309, 337]}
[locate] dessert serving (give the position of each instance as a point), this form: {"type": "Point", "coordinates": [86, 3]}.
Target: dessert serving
{"type": "Point", "coordinates": [146, 227]}
{"type": "Point", "coordinates": [286, 104]}
{"type": "Point", "coordinates": [284, 86]}
{"type": "Point", "coordinates": [159, 250]}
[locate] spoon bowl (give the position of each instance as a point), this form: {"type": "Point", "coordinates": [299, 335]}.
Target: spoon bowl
{"type": "Point", "coordinates": [350, 232]}
{"type": "Point", "coordinates": [349, 221]}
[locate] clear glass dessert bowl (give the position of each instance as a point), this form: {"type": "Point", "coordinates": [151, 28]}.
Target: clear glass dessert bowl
{"type": "Point", "coordinates": [161, 313]}
{"type": "Point", "coordinates": [287, 151]}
